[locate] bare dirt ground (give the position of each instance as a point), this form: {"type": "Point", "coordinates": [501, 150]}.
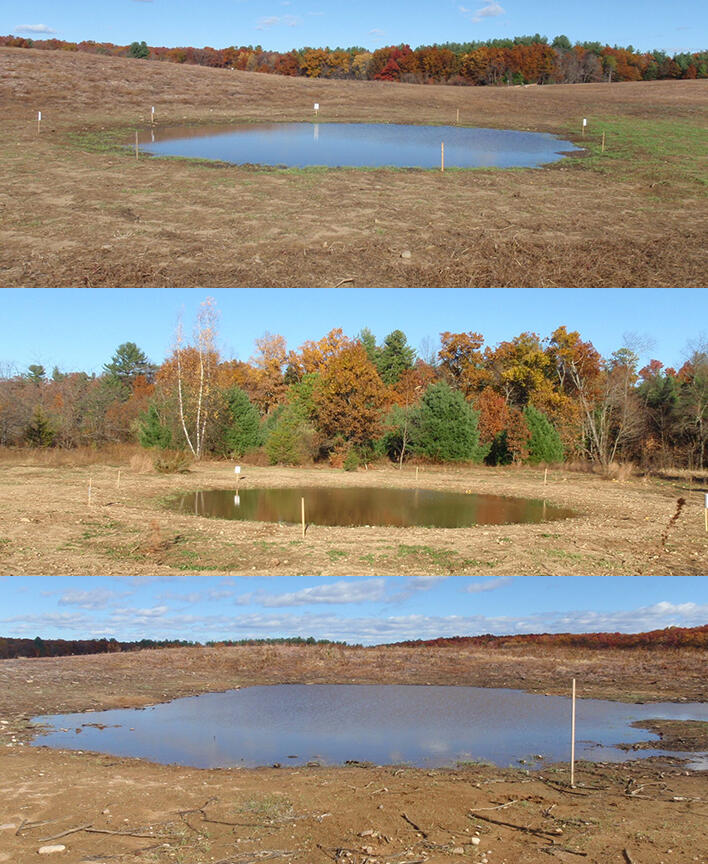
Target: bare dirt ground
{"type": "Point", "coordinates": [47, 526]}
{"type": "Point", "coordinates": [75, 211]}
{"type": "Point", "coordinates": [104, 808]}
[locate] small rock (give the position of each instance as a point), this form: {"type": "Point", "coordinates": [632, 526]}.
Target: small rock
{"type": "Point", "coordinates": [367, 833]}
{"type": "Point", "coordinates": [368, 850]}
{"type": "Point", "coordinates": [50, 850]}
{"type": "Point", "coordinates": [458, 850]}
{"type": "Point", "coordinates": [406, 253]}
{"type": "Point", "coordinates": [475, 841]}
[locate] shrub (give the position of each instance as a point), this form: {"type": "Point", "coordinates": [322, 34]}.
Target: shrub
{"type": "Point", "coordinates": [244, 425]}
{"type": "Point", "coordinates": [292, 440]}
{"type": "Point", "coordinates": [39, 432]}
{"type": "Point", "coordinates": [544, 444]}
{"type": "Point", "coordinates": [351, 461]}
{"type": "Point", "coordinates": [445, 427]}
{"type": "Point", "coordinates": [172, 462]}
{"type": "Point", "coordinates": [151, 431]}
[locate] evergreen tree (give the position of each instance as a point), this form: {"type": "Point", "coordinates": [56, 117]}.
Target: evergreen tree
{"type": "Point", "coordinates": [128, 362]}
{"type": "Point", "coordinates": [139, 50]}
{"type": "Point", "coordinates": [292, 440]}
{"type": "Point", "coordinates": [445, 427]}
{"type": "Point", "coordinates": [395, 357]}
{"type": "Point", "coordinates": [39, 432]}
{"type": "Point", "coordinates": [244, 429]}
{"type": "Point", "coordinates": [368, 340]}
{"type": "Point", "coordinates": [151, 431]}
{"type": "Point", "coordinates": [544, 444]}
{"type": "Point", "coordinates": [36, 373]}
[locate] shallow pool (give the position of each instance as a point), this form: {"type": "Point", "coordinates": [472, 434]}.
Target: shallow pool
{"type": "Point", "coordinates": [358, 145]}
{"type": "Point", "coordinates": [352, 506]}
{"type": "Point", "coordinates": [292, 724]}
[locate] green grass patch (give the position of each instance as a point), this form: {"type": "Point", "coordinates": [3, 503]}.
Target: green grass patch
{"type": "Point", "coordinates": [665, 152]}
{"type": "Point", "coordinates": [336, 554]}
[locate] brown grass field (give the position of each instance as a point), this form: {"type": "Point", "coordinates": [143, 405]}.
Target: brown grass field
{"type": "Point", "coordinates": [106, 808]}
{"type": "Point", "coordinates": [76, 210]}
{"type": "Point", "coordinates": [48, 527]}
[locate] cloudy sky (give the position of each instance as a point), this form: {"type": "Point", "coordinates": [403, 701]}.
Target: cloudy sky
{"type": "Point", "coordinates": [284, 24]}
{"type": "Point", "coordinates": [79, 329]}
{"type": "Point", "coordinates": [363, 610]}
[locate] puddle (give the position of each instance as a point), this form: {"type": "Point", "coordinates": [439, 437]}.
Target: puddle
{"type": "Point", "coordinates": [357, 506]}
{"type": "Point", "coordinates": [358, 145]}
{"type": "Point", "coordinates": [293, 724]}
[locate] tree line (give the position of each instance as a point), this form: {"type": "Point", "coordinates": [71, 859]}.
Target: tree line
{"type": "Point", "coordinates": [351, 400]}
{"type": "Point", "coordinates": [15, 647]}
{"type": "Point", "coordinates": [520, 60]}
{"type": "Point", "coordinates": [669, 637]}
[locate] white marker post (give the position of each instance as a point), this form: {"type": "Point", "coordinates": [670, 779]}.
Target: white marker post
{"type": "Point", "coordinates": [39, 121]}
{"type": "Point", "coordinates": [585, 123]}
{"type": "Point", "coordinates": [118, 480]}
{"type": "Point", "coordinates": [237, 472]}
{"type": "Point", "coordinates": [572, 740]}
{"type": "Point", "coordinates": [316, 108]}
{"type": "Point", "coordinates": [152, 115]}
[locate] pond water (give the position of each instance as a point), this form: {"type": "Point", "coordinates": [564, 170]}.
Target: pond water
{"type": "Point", "coordinates": [293, 724]}
{"type": "Point", "coordinates": [358, 145]}
{"type": "Point", "coordinates": [367, 506]}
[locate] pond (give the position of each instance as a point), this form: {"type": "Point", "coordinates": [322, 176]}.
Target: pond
{"type": "Point", "coordinates": [358, 145]}
{"type": "Point", "coordinates": [293, 724]}
{"type": "Point", "coordinates": [356, 506]}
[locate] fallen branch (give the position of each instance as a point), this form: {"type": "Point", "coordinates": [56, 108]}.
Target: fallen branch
{"type": "Point", "coordinates": [30, 826]}
{"type": "Point", "coordinates": [499, 807]}
{"type": "Point", "coordinates": [124, 833]}
{"type": "Point", "coordinates": [558, 788]}
{"type": "Point", "coordinates": [627, 857]}
{"type": "Point", "coordinates": [65, 833]}
{"type": "Point", "coordinates": [536, 831]}
{"type": "Point", "coordinates": [411, 822]}
{"type": "Point", "coordinates": [343, 281]}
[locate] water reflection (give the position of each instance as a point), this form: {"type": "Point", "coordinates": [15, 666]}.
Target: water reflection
{"type": "Point", "coordinates": [358, 144]}
{"type": "Point", "coordinates": [295, 723]}
{"type": "Point", "coordinates": [367, 506]}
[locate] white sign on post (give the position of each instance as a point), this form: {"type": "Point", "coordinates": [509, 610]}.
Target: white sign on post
{"type": "Point", "coordinates": [39, 115]}
{"type": "Point", "coordinates": [317, 107]}
{"type": "Point", "coordinates": [237, 469]}
{"type": "Point", "coordinates": [585, 122]}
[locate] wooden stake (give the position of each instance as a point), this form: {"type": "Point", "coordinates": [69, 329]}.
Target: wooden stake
{"type": "Point", "coordinates": [89, 491]}
{"type": "Point", "coordinates": [118, 480]}
{"type": "Point", "coordinates": [302, 514]}
{"type": "Point", "coordinates": [602, 149]}
{"type": "Point", "coordinates": [457, 121]}
{"type": "Point", "coordinates": [545, 477]}
{"type": "Point", "coordinates": [442, 155]}
{"type": "Point", "coordinates": [152, 115]}
{"type": "Point", "coordinates": [572, 740]}
{"type": "Point", "coordinates": [416, 473]}
{"type": "Point", "coordinates": [705, 512]}
{"type": "Point", "coordinates": [136, 143]}
{"type": "Point", "coordinates": [39, 122]}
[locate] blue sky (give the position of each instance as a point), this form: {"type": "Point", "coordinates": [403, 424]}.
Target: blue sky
{"type": "Point", "coordinates": [284, 24]}
{"type": "Point", "coordinates": [356, 610]}
{"type": "Point", "coordinates": [79, 329]}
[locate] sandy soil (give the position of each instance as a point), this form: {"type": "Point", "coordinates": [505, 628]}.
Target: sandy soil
{"type": "Point", "coordinates": [47, 526]}
{"type": "Point", "coordinates": [75, 213]}
{"type": "Point", "coordinates": [103, 808]}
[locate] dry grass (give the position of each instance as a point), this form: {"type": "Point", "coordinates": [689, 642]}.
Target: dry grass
{"type": "Point", "coordinates": [75, 457]}
{"type": "Point", "coordinates": [91, 215]}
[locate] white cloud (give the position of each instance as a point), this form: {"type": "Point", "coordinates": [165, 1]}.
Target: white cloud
{"type": "Point", "coordinates": [276, 21]}
{"type": "Point", "coordinates": [491, 9]}
{"type": "Point", "coordinates": [99, 598]}
{"type": "Point", "coordinates": [159, 622]}
{"type": "Point", "coordinates": [338, 592]}
{"type": "Point", "coordinates": [375, 31]}
{"type": "Point", "coordinates": [491, 585]}
{"type": "Point", "coordinates": [34, 28]}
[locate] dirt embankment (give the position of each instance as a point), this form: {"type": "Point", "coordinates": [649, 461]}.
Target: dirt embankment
{"type": "Point", "coordinates": [48, 527]}
{"type": "Point", "coordinates": [105, 808]}
{"type": "Point", "coordinates": [78, 212]}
